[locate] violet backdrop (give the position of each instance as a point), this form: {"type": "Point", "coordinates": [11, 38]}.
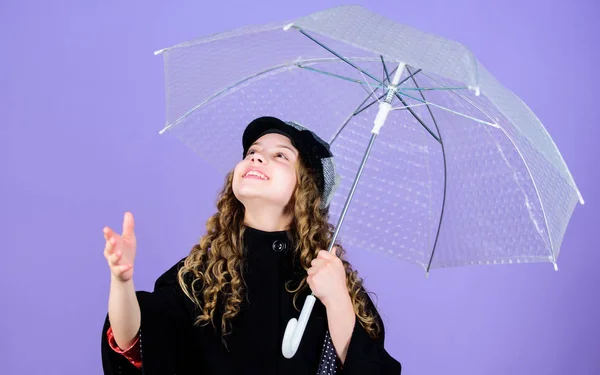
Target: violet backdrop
{"type": "Point", "coordinates": [82, 101]}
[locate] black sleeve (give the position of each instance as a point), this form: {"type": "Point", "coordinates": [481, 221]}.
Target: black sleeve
{"type": "Point", "coordinates": [166, 318]}
{"type": "Point", "coordinates": [366, 355]}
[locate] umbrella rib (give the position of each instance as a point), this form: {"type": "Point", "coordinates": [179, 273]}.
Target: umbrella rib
{"type": "Point", "coordinates": [359, 110]}
{"type": "Point", "coordinates": [409, 77]}
{"type": "Point", "coordinates": [338, 55]}
{"type": "Point", "coordinates": [418, 118]}
{"type": "Point", "coordinates": [337, 133]}
{"type": "Point", "coordinates": [465, 99]}
{"type": "Point", "coordinates": [393, 71]}
{"type": "Point", "coordinates": [365, 82]}
{"type": "Point", "coordinates": [437, 234]}
{"type": "Point", "coordinates": [398, 93]}
{"type": "Point", "coordinates": [245, 79]}
{"type": "Point", "coordinates": [220, 92]}
{"type": "Point", "coordinates": [362, 83]}
{"type": "Point", "coordinates": [406, 106]}
{"type": "Point", "coordinates": [434, 88]}
{"type": "Point", "coordinates": [335, 75]}
{"type": "Point", "coordinates": [370, 88]}
{"type": "Point", "coordinates": [371, 94]}
{"type": "Point", "coordinates": [385, 71]}
{"type": "Point", "coordinates": [409, 106]}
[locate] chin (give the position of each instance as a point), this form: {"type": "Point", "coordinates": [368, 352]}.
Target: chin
{"type": "Point", "coordinates": [259, 199]}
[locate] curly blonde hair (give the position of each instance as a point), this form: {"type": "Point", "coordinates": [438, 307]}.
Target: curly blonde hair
{"type": "Point", "coordinates": [211, 274]}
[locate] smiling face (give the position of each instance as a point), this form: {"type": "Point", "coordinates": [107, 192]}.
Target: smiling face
{"type": "Point", "coordinates": [267, 175]}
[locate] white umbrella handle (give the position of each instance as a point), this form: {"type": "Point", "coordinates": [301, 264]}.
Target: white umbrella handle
{"type": "Point", "coordinates": [295, 329]}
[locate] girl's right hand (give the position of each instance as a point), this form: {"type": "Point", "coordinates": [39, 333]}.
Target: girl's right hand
{"type": "Point", "coordinates": [119, 250]}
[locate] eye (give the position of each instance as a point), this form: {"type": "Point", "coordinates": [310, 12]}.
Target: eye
{"type": "Point", "coordinates": [250, 152]}
{"type": "Point", "coordinates": [281, 154]}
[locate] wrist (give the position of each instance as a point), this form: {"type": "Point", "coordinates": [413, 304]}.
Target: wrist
{"type": "Point", "coordinates": [115, 280]}
{"type": "Point", "coordinates": [340, 301]}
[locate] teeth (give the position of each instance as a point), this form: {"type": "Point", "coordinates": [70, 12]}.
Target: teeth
{"type": "Point", "coordinates": [257, 174]}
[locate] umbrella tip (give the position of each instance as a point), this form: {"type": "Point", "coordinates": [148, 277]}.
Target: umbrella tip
{"type": "Point", "coordinates": [288, 26]}
{"type": "Point", "coordinates": [159, 51]}
{"type": "Point", "coordinates": [555, 266]}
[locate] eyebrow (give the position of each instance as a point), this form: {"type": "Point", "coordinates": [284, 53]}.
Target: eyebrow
{"type": "Point", "coordinates": [295, 152]}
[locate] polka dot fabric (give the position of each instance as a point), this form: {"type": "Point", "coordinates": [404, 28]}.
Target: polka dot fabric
{"type": "Point", "coordinates": [328, 365]}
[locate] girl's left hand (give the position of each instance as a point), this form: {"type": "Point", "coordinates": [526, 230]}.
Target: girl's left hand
{"type": "Point", "coordinates": [327, 278]}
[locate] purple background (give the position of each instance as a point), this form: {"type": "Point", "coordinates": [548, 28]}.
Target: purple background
{"type": "Point", "coordinates": [82, 101]}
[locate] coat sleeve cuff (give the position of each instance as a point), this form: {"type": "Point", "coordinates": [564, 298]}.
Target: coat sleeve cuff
{"type": "Point", "coordinates": [367, 355]}
{"type": "Point", "coordinates": [359, 347]}
{"type": "Point", "coordinates": [133, 353]}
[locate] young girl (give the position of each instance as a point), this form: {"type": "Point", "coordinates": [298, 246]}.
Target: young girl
{"type": "Point", "coordinates": [223, 309]}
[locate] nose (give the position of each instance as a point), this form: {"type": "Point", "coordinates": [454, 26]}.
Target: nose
{"type": "Point", "coordinates": [257, 158]}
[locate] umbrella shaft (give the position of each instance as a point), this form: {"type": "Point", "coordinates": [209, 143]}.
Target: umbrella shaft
{"type": "Point", "coordinates": [384, 109]}
{"type": "Point", "coordinates": [352, 189]}
{"type": "Point", "coordinates": [395, 81]}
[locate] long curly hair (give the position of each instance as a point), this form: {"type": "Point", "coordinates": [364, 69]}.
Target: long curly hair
{"type": "Point", "coordinates": [211, 275]}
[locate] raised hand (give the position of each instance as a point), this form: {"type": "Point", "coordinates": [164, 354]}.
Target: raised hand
{"type": "Point", "coordinates": [119, 250]}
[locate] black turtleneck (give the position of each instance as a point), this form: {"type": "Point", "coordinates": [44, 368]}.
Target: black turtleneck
{"type": "Point", "coordinates": [171, 344]}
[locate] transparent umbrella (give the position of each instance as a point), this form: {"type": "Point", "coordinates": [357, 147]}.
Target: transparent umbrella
{"type": "Point", "coordinates": [455, 169]}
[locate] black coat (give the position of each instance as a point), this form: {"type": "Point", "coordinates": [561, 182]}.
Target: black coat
{"type": "Point", "coordinates": [171, 344]}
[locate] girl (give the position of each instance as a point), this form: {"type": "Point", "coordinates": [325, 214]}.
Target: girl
{"type": "Point", "coordinates": [223, 309]}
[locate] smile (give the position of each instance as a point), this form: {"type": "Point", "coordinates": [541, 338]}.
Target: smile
{"type": "Point", "coordinates": [256, 174]}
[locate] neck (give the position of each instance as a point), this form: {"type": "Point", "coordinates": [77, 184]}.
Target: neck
{"type": "Point", "coordinates": [267, 219]}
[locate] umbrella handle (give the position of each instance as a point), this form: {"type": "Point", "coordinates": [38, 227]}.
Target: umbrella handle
{"type": "Point", "coordinates": [295, 329]}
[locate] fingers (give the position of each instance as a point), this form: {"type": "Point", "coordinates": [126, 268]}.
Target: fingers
{"type": "Point", "coordinates": [123, 268]}
{"type": "Point", "coordinates": [111, 240]}
{"type": "Point", "coordinates": [107, 233]}
{"type": "Point", "coordinates": [122, 272]}
{"type": "Point", "coordinates": [114, 254]}
{"type": "Point", "coordinates": [323, 260]}
{"type": "Point", "coordinates": [128, 225]}
{"type": "Point", "coordinates": [311, 271]}
{"type": "Point", "coordinates": [317, 262]}
{"type": "Point", "coordinates": [324, 257]}
{"type": "Point", "coordinates": [110, 235]}
{"type": "Point", "coordinates": [328, 257]}
{"type": "Point", "coordinates": [109, 246]}
{"type": "Point", "coordinates": [324, 254]}
{"type": "Point", "coordinates": [115, 257]}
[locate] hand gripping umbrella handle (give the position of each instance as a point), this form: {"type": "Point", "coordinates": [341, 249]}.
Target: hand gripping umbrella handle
{"type": "Point", "coordinates": [295, 329]}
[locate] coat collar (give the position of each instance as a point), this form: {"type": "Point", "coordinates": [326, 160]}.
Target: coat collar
{"type": "Point", "coordinates": [259, 243]}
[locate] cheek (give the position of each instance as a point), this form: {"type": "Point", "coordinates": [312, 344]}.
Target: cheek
{"type": "Point", "coordinates": [236, 175]}
{"type": "Point", "coordinates": [292, 183]}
